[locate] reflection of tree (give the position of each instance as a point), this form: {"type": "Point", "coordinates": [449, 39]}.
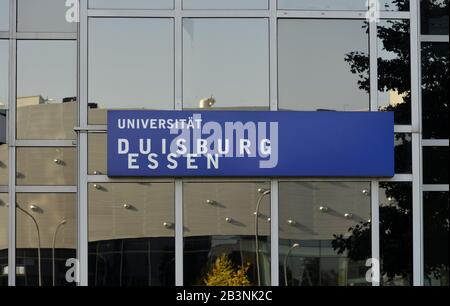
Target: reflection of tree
{"type": "Point", "coordinates": [396, 219]}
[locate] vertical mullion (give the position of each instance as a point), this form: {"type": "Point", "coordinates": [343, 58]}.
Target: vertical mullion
{"type": "Point", "coordinates": [375, 228]}
{"type": "Point", "coordinates": [11, 130]}
{"type": "Point", "coordinates": [82, 197]}
{"type": "Point", "coordinates": [373, 71]}
{"type": "Point", "coordinates": [273, 83]}
{"type": "Point", "coordinates": [416, 144]}
{"type": "Point", "coordinates": [178, 45]}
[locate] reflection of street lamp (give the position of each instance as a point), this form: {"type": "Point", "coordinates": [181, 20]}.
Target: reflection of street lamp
{"type": "Point", "coordinates": [39, 240]}
{"type": "Point", "coordinates": [207, 103]}
{"type": "Point", "coordinates": [53, 249]}
{"type": "Point", "coordinates": [295, 245]}
{"type": "Point", "coordinates": [263, 192]}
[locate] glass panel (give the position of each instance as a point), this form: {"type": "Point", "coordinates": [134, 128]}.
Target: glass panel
{"type": "Point", "coordinates": [131, 65]}
{"type": "Point", "coordinates": [44, 16]}
{"type": "Point", "coordinates": [224, 223]}
{"type": "Point", "coordinates": [396, 251]}
{"type": "Point", "coordinates": [324, 233]}
{"type": "Point", "coordinates": [436, 238]}
{"type": "Point", "coordinates": [225, 4]}
{"type": "Point", "coordinates": [46, 166]}
{"type": "Point", "coordinates": [435, 67]}
{"type": "Point", "coordinates": [227, 59]}
{"type": "Point", "coordinates": [323, 65]}
{"type": "Point", "coordinates": [131, 234]}
{"type": "Point", "coordinates": [46, 238]}
{"type": "Point", "coordinates": [4, 16]}
{"type": "Point", "coordinates": [97, 156]}
{"type": "Point", "coordinates": [403, 153]}
{"type": "Point", "coordinates": [435, 165]}
{"type": "Point", "coordinates": [131, 4]}
{"type": "Point", "coordinates": [394, 5]}
{"type": "Point", "coordinates": [46, 89]}
{"type": "Point", "coordinates": [4, 219]}
{"type": "Point", "coordinates": [341, 5]}
{"type": "Point", "coordinates": [3, 163]}
{"type": "Point", "coordinates": [4, 73]}
{"type": "Point", "coordinates": [394, 69]}
{"type": "Point", "coordinates": [434, 15]}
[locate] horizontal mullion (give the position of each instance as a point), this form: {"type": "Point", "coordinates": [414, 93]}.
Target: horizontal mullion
{"type": "Point", "coordinates": [399, 178]}
{"type": "Point", "coordinates": [46, 143]}
{"type": "Point", "coordinates": [340, 14]}
{"type": "Point", "coordinates": [4, 189]}
{"type": "Point", "coordinates": [435, 142]}
{"type": "Point", "coordinates": [105, 179]}
{"type": "Point", "coordinates": [434, 38]}
{"type": "Point", "coordinates": [4, 35]}
{"type": "Point", "coordinates": [46, 189]}
{"type": "Point", "coordinates": [46, 36]}
{"type": "Point", "coordinates": [131, 13]}
{"type": "Point", "coordinates": [436, 188]}
{"type": "Point", "coordinates": [403, 129]}
{"type": "Point", "coordinates": [226, 14]}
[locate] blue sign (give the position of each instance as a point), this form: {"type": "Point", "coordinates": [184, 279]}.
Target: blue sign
{"type": "Point", "coordinates": [250, 144]}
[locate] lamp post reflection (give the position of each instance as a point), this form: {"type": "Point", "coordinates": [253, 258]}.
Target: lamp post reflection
{"type": "Point", "coordinates": [63, 222]}
{"type": "Point", "coordinates": [295, 245]}
{"type": "Point", "coordinates": [39, 241]}
{"type": "Point", "coordinates": [263, 193]}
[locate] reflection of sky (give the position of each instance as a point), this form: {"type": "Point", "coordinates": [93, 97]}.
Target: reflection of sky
{"type": "Point", "coordinates": [227, 4]}
{"type": "Point", "coordinates": [132, 4]}
{"type": "Point", "coordinates": [4, 51]}
{"type": "Point", "coordinates": [46, 68]}
{"type": "Point", "coordinates": [131, 63]}
{"type": "Point", "coordinates": [226, 58]}
{"type": "Point", "coordinates": [4, 15]}
{"type": "Point", "coordinates": [313, 73]}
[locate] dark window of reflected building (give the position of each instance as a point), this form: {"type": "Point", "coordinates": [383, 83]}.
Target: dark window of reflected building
{"type": "Point", "coordinates": [435, 78]}
{"type": "Point", "coordinates": [325, 233]}
{"type": "Point", "coordinates": [319, 73]}
{"type": "Point", "coordinates": [394, 5]}
{"type": "Point", "coordinates": [4, 73]}
{"type": "Point", "coordinates": [225, 4]}
{"type": "Point", "coordinates": [436, 238]}
{"type": "Point", "coordinates": [394, 69]}
{"type": "Point", "coordinates": [435, 165]}
{"type": "Point", "coordinates": [3, 161]}
{"type": "Point", "coordinates": [131, 234]}
{"type": "Point", "coordinates": [47, 16]}
{"type": "Point", "coordinates": [132, 4]}
{"type": "Point", "coordinates": [39, 166]}
{"type": "Point", "coordinates": [226, 59]}
{"type": "Point", "coordinates": [4, 15]}
{"type": "Point", "coordinates": [226, 228]}
{"type": "Point", "coordinates": [131, 65]}
{"type": "Point", "coordinates": [434, 17]}
{"type": "Point", "coordinates": [46, 89]}
{"type": "Point", "coordinates": [403, 153]}
{"type": "Point", "coordinates": [45, 238]}
{"type": "Point", "coordinates": [4, 223]}
{"type": "Point", "coordinates": [396, 249]}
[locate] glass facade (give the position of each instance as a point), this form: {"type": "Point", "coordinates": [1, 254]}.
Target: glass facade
{"type": "Point", "coordinates": [59, 210]}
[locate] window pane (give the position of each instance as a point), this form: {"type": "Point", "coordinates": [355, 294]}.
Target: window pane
{"type": "Point", "coordinates": [323, 65]}
{"type": "Point", "coordinates": [394, 69]}
{"type": "Point", "coordinates": [324, 233]}
{"type": "Point", "coordinates": [435, 165]}
{"type": "Point", "coordinates": [4, 16]}
{"type": "Point", "coordinates": [46, 166]}
{"type": "Point", "coordinates": [396, 251]}
{"type": "Point", "coordinates": [221, 227]}
{"type": "Point", "coordinates": [352, 5]}
{"type": "Point", "coordinates": [403, 153]}
{"type": "Point", "coordinates": [435, 67]}
{"type": "Point", "coordinates": [227, 59]}
{"type": "Point", "coordinates": [97, 157]}
{"type": "Point", "coordinates": [225, 4]}
{"type": "Point", "coordinates": [131, 65]}
{"type": "Point", "coordinates": [436, 238]}
{"type": "Point", "coordinates": [45, 222]}
{"type": "Point", "coordinates": [46, 89]}
{"type": "Point", "coordinates": [131, 234]}
{"type": "Point", "coordinates": [4, 73]}
{"type": "Point", "coordinates": [131, 4]}
{"type": "Point", "coordinates": [434, 15]}
{"type": "Point", "coordinates": [3, 164]}
{"type": "Point", "coordinates": [43, 16]}
{"type": "Point", "coordinates": [394, 5]}
{"type": "Point", "coordinates": [4, 219]}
